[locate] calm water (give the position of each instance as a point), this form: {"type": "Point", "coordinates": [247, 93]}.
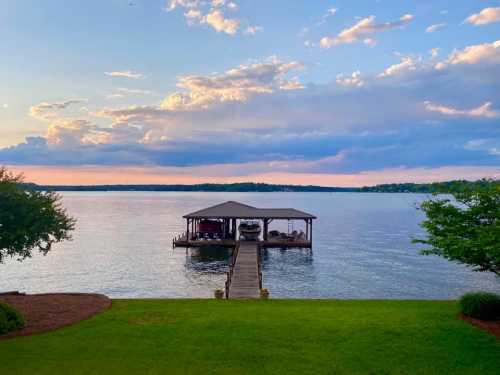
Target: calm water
{"type": "Point", "coordinates": [362, 249]}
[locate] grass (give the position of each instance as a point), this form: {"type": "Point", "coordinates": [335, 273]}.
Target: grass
{"type": "Point", "coordinates": [260, 337]}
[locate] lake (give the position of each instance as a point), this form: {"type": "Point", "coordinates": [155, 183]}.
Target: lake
{"type": "Point", "coordinates": [122, 247]}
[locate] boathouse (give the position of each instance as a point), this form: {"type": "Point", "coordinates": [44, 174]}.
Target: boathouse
{"type": "Point", "coordinates": [218, 225]}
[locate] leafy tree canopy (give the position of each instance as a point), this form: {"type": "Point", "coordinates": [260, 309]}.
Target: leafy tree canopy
{"type": "Point", "coordinates": [465, 229]}
{"type": "Point", "coordinates": [29, 219]}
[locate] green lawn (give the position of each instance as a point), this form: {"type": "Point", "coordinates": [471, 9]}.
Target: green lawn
{"type": "Point", "coordinates": [260, 337]}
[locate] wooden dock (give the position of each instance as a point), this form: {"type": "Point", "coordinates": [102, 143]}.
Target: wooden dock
{"type": "Point", "coordinates": [244, 277]}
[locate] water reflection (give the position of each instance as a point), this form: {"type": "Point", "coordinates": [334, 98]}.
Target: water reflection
{"type": "Point", "coordinates": [208, 260]}
{"type": "Point", "coordinates": [288, 272]}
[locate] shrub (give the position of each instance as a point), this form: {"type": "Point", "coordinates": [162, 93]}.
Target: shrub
{"type": "Point", "coordinates": [10, 319]}
{"type": "Point", "coordinates": [480, 305]}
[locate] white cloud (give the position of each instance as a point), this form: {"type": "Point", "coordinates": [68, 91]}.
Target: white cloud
{"type": "Point", "coordinates": [484, 17]}
{"type": "Point", "coordinates": [483, 111]}
{"type": "Point", "coordinates": [488, 53]}
{"type": "Point", "coordinates": [232, 6]}
{"type": "Point", "coordinates": [354, 80]}
{"type": "Point", "coordinates": [252, 30]}
{"type": "Point", "coordinates": [329, 13]}
{"type": "Point", "coordinates": [434, 52]}
{"type": "Point", "coordinates": [362, 30]}
{"type": "Point", "coordinates": [48, 111]}
{"type": "Point", "coordinates": [291, 84]}
{"type": "Point", "coordinates": [122, 92]}
{"type": "Point", "coordinates": [173, 4]}
{"type": "Point", "coordinates": [490, 146]}
{"type": "Point", "coordinates": [234, 85]}
{"type": "Point", "coordinates": [115, 96]}
{"type": "Point", "coordinates": [128, 91]}
{"type": "Point", "coordinates": [220, 23]}
{"type": "Point", "coordinates": [193, 15]}
{"type": "Point", "coordinates": [370, 42]}
{"type": "Point", "coordinates": [407, 64]}
{"type": "Point", "coordinates": [66, 129]}
{"type": "Point", "coordinates": [211, 13]}
{"type": "Point", "coordinates": [433, 28]}
{"type": "Point", "coordinates": [125, 74]}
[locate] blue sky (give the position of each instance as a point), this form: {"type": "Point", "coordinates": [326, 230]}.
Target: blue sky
{"type": "Point", "coordinates": [330, 92]}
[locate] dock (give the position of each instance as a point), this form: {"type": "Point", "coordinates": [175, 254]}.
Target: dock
{"type": "Point", "coordinates": [244, 276]}
{"type": "Point", "coordinates": [222, 225]}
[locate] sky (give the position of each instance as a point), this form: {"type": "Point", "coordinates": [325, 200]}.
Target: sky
{"type": "Point", "coordinates": [334, 93]}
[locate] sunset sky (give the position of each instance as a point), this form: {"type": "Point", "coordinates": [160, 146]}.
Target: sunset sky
{"type": "Point", "coordinates": [344, 93]}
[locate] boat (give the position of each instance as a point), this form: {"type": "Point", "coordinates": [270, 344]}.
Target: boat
{"type": "Point", "coordinates": [209, 229]}
{"type": "Point", "coordinates": [249, 230]}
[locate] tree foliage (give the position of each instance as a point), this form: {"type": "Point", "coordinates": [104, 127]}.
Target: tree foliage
{"type": "Point", "coordinates": [465, 229]}
{"type": "Point", "coordinates": [29, 219]}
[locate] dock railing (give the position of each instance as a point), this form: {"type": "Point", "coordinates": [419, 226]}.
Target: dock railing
{"type": "Point", "coordinates": [232, 261]}
{"type": "Point", "coordinates": [178, 238]}
{"type": "Point", "coordinates": [259, 263]}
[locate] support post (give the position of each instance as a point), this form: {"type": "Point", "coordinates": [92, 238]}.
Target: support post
{"type": "Point", "coordinates": [311, 231]}
{"type": "Point", "coordinates": [187, 229]}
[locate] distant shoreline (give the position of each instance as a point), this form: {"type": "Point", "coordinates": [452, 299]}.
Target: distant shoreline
{"type": "Point", "coordinates": [435, 187]}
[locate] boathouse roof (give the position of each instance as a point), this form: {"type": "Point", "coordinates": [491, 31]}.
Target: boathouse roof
{"type": "Point", "coordinates": [236, 210]}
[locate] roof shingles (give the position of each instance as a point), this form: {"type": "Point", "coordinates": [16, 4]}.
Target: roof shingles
{"type": "Point", "coordinates": [236, 210]}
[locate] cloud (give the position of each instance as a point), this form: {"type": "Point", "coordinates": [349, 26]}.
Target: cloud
{"type": "Point", "coordinates": [487, 53]}
{"type": "Point", "coordinates": [48, 111]}
{"type": "Point", "coordinates": [173, 4]}
{"type": "Point", "coordinates": [252, 30]}
{"type": "Point", "coordinates": [261, 119]}
{"type": "Point", "coordinates": [330, 12]}
{"type": "Point", "coordinates": [125, 74]}
{"type": "Point", "coordinates": [434, 52]}
{"type": "Point", "coordinates": [484, 110]}
{"type": "Point", "coordinates": [127, 91]}
{"type": "Point", "coordinates": [220, 23]}
{"type": "Point", "coordinates": [211, 13]}
{"type": "Point", "coordinates": [488, 145]}
{"type": "Point", "coordinates": [370, 42]}
{"type": "Point", "coordinates": [407, 64]}
{"type": "Point", "coordinates": [236, 84]}
{"type": "Point", "coordinates": [123, 92]}
{"type": "Point", "coordinates": [435, 27]}
{"type": "Point", "coordinates": [354, 80]}
{"type": "Point", "coordinates": [362, 30]}
{"type": "Point", "coordinates": [484, 17]}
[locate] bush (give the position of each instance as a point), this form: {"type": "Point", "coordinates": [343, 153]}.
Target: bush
{"type": "Point", "coordinates": [10, 319]}
{"type": "Point", "coordinates": [480, 305]}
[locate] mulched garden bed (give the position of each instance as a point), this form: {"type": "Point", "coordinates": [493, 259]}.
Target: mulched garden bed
{"type": "Point", "coordinates": [47, 312]}
{"type": "Point", "coordinates": [491, 326]}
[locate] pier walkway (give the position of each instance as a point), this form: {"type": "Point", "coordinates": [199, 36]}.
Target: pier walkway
{"type": "Point", "coordinates": [244, 277]}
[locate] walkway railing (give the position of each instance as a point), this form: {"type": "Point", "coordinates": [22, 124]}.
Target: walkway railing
{"type": "Point", "coordinates": [259, 262]}
{"type": "Point", "coordinates": [232, 261]}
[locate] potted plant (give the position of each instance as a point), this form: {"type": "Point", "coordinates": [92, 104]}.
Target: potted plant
{"type": "Point", "coordinates": [219, 293]}
{"type": "Point", "coordinates": [264, 293]}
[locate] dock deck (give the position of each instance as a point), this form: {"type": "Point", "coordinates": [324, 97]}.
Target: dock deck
{"type": "Point", "coordinates": [183, 241]}
{"type": "Point", "coordinates": [244, 278]}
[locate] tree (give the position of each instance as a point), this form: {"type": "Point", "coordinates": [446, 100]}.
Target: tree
{"type": "Point", "coordinates": [29, 219]}
{"type": "Point", "coordinates": [467, 228]}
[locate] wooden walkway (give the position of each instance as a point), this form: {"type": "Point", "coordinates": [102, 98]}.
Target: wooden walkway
{"type": "Point", "coordinates": [244, 281]}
